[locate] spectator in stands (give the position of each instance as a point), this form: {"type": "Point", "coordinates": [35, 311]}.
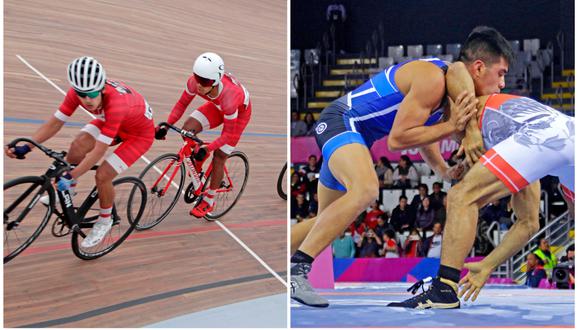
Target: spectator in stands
{"type": "Point", "coordinates": [402, 216]}
{"type": "Point", "coordinates": [369, 245]}
{"type": "Point", "coordinates": [372, 216]}
{"type": "Point", "coordinates": [495, 211]}
{"type": "Point", "coordinates": [406, 174]}
{"type": "Point", "coordinates": [425, 217]}
{"type": "Point", "coordinates": [441, 214]}
{"type": "Point", "coordinates": [390, 248]}
{"type": "Point", "coordinates": [535, 271]}
{"type": "Point", "coordinates": [310, 173]}
{"type": "Point", "coordinates": [297, 126]}
{"type": "Point", "coordinates": [418, 199]}
{"type": "Point", "coordinates": [313, 206]}
{"type": "Point", "coordinates": [297, 185]}
{"type": "Point", "coordinates": [569, 254]}
{"type": "Point", "coordinates": [437, 195]}
{"type": "Point", "coordinates": [382, 225]}
{"type": "Point", "coordinates": [343, 247]}
{"type": "Point", "coordinates": [432, 245]}
{"type": "Point", "coordinates": [300, 211]}
{"type": "Point", "coordinates": [548, 258]}
{"type": "Point", "coordinates": [384, 172]}
{"type": "Point", "coordinates": [310, 124]}
{"type": "Point", "coordinates": [412, 246]}
{"type": "Point", "coordinates": [336, 18]}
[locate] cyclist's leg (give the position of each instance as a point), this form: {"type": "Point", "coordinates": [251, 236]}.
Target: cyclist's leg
{"type": "Point", "coordinates": [326, 196]}
{"type": "Point", "coordinates": [84, 142]}
{"type": "Point", "coordinates": [121, 159]}
{"type": "Point", "coordinates": [203, 118]}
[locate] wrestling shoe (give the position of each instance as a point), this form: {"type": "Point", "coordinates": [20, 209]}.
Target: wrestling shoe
{"type": "Point", "coordinates": [300, 288]}
{"type": "Point", "coordinates": [441, 295]}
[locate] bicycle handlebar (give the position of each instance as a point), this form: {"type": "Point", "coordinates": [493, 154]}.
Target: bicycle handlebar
{"type": "Point", "coordinates": [185, 133]}
{"type": "Point", "coordinates": [49, 152]}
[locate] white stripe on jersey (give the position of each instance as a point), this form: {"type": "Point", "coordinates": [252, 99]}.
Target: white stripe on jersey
{"type": "Point", "coordinates": [373, 115]}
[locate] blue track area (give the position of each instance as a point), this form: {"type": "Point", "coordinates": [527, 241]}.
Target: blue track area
{"type": "Point", "coordinates": [364, 305]}
{"type": "Point", "coordinates": [77, 124]}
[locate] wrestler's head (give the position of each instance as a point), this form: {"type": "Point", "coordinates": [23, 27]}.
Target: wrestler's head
{"type": "Point", "coordinates": [487, 56]}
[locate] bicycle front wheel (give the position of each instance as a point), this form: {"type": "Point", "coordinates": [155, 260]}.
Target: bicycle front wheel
{"type": "Point", "coordinates": [128, 208]}
{"type": "Point", "coordinates": [282, 184]}
{"type": "Point", "coordinates": [164, 178]}
{"type": "Point", "coordinates": [236, 172]}
{"type": "Point", "coordinates": [24, 216]}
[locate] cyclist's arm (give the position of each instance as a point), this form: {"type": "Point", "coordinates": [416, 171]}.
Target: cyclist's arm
{"type": "Point", "coordinates": [179, 108]}
{"type": "Point", "coordinates": [47, 130]}
{"type": "Point", "coordinates": [90, 159]}
{"type": "Point", "coordinates": [425, 94]}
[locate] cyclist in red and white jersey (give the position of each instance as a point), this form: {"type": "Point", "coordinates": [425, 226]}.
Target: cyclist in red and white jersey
{"type": "Point", "coordinates": [228, 102]}
{"type": "Point", "coordinates": [122, 116]}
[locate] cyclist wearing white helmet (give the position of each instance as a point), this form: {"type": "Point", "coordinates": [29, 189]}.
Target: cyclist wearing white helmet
{"type": "Point", "coordinates": [122, 116]}
{"type": "Point", "coordinates": [228, 102]}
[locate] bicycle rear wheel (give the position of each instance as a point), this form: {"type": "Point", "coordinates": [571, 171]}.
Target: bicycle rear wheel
{"type": "Point", "coordinates": [24, 216]}
{"type": "Point", "coordinates": [128, 207]}
{"type": "Point", "coordinates": [238, 170]}
{"type": "Point", "coordinates": [160, 204]}
{"type": "Point", "coordinates": [282, 184]}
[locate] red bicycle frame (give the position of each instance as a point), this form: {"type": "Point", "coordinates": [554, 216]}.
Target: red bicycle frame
{"type": "Point", "coordinates": [184, 155]}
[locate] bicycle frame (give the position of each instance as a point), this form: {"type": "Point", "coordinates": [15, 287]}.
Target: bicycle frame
{"type": "Point", "coordinates": [184, 155]}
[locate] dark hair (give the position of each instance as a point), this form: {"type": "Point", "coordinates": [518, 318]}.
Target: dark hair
{"type": "Point", "coordinates": [403, 196]}
{"type": "Point", "coordinates": [487, 44]}
{"type": "Point", "coordinates": [422, 185]}
{"type": "Point", "coordinates": [312, 156]}
{"type": "Point", "coordinates": [407, 160]}
{"type": "Point", "coordinates": [390, 233]}
{"type": "Point", "coordinates": [386, 162]}
{"type": "Point", "coordinates": [570, 248]}
{"type": "Point", "coordinates": [438, 184]}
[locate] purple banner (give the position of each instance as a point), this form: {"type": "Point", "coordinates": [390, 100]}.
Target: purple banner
{"type": "Point", "coordinates": [303, 147]}
{"type": "Point", "coordinates": [388, 269]}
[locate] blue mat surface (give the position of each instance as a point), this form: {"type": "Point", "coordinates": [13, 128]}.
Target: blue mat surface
{"type": "Point", "coordinates": [364, 305]}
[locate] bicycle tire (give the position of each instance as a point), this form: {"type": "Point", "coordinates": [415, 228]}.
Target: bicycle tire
{"type": "Point", "coordinates": [36, 181]}
{"type": "Point", "coordinates": [118, 217]}
{"type": "Point", "coordinates": [148, 222]}
{"type": "Point", "coordinates": [216, 215]}
{"type": "Point", "coordinates": [280, 183]}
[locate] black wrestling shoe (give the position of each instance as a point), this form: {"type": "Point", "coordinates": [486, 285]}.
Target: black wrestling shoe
{"type": "Point", "coordinates": [442, 295]}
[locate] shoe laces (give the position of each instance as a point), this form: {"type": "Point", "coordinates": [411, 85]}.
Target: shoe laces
{"type": "Point", "coordinates": [420, 284]}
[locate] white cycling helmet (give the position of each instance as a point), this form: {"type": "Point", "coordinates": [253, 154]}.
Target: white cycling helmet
{"type": "Point", "coordinates": [209, 66]}
{"type": "Point", "coordinates": [86, 75]}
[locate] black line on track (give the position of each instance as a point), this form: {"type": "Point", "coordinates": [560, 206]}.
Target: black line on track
{"type": "Point", "coordinates": [145, 300]}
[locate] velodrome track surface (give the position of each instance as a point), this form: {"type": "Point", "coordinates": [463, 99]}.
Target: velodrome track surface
{"type": "Point", "coordinates": [183, 265]}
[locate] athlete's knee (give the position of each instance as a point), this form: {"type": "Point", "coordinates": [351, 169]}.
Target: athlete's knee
{"type": "Point", "coordinates": [219, 156]}
{"type": "Point", "coordinates": [192, 124]}
{"type": "Point", "coordinates": [364, 194]}
{"type": "Point", "coordinates": [104, 174]}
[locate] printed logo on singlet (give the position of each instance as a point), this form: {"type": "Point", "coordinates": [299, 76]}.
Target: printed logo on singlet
{"type": "Point", "coordinates": [320, 128]}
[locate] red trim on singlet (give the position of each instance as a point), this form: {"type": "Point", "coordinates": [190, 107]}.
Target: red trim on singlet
{"type": "Point", "coordinates": [503, 171]}
{"type": "Point", "coordinates": [494, 101]}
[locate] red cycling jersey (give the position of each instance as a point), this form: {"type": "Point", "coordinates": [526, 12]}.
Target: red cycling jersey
{"type": "Point", "coordinates": [233, 101]}
{"type": "Point", "coordinates": [125, 112]}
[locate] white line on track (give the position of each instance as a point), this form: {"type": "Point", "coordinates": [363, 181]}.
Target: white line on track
{"type": "Point", "coordinates": [242, 244]}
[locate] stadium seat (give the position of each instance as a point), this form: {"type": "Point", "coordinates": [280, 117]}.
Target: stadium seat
{"type": "Point", "coordinates": [295, 59]}
{"type": "Point", "coordinates": [446, 57]}
{"type": "Point", "coordinates": [422, 168]}
{"type": "Point", "coordinates": [415, 51]}
{"type": "Point", "coordinates": [391, 198]}
{"type": "Point", "coordinates": [532, 45]}
{"type": "Point", "coordinates": [385, 62]}
{"type": "Point", "coordinates": [435, 50]}
{"type": "Point", "coordinates": [429, 180]}
{"type": "Point", "coordinates": [516, 46]}
{"type": "Point", "coordinates": [453, 49]}
{"type": "Point", "coordinates": [312, 56]}
{"type": "Point", "coordinates": [396, 52]}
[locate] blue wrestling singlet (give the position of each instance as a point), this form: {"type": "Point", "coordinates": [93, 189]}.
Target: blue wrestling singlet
{"type": "Point", "coordinates": [363, 116]}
